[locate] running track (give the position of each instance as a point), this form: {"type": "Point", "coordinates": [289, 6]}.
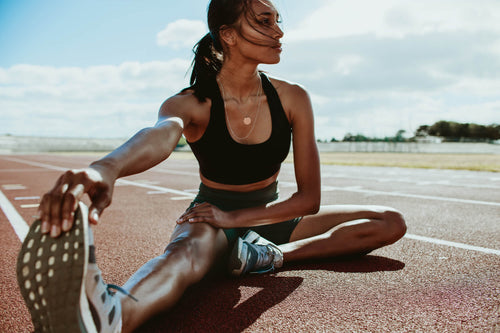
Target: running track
{"type": "Point", "coordinates": [444, 276]}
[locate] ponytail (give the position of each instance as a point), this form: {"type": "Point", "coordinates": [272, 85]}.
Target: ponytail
{"type": "Point", "coordinates": [208, 52]}
{"type": "Point", "coordinates": [206, 64]}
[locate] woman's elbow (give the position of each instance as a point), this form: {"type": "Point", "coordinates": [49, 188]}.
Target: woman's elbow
{"type": "Point", "coordinates": [307, 203]}
{"type": "Point", "coordinates": [312, 205]}
{"type": "Point", "coordinates": [314, 208]}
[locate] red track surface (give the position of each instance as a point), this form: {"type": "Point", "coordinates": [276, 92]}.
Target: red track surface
{"type": "Point", "coordinates": [413, 285]}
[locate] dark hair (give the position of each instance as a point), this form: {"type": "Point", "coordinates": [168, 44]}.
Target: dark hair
{"type": "Point", "coordinates": [208, 52]}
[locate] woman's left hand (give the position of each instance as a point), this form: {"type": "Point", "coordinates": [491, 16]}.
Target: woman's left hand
{"type": "Point", "coordinates": [206, 213]}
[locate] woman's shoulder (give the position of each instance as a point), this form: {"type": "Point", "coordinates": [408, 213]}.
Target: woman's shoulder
{"type": "Point", "coordinates": [290, 93]}
{"type": "Point", "coordinates": [183, 102]}
{"type": "Point", "coordinates": [182, 98]}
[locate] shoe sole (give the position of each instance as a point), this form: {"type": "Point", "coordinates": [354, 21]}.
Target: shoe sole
{"type": "Point", "coordinates": [51, 274]}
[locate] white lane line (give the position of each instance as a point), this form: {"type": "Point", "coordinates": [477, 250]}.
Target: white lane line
{"type": "Point", "coordinates": [30, 206]}
{"type": "Point", "coordinates": [119, 181]}
{"type": "Point", "coordinates": [20, 226]}
{"type": "Point", "coordinates": [408, 195]}
{"type": "Point", "coordinates": [27, 198]}
{"type": "Point", "coordinates": [453, 244]}
{"type": "Point", "coordinates": [176, 172]}
{"type": "Point", "coordinates": [37, 164]}
{"type": "Point", "coordinates": [19, 170]}
{"type": "Point", "coordinates": [157, 189]}
{"type": "Point", "coordinates": [412, 181]}
{"type": "Point", "coordinates": [9, 187]}
{"type": "Point", "coordinates": [181, 198]}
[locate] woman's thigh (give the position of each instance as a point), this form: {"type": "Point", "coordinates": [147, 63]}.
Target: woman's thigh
{"type": "Point", "coordinates": [332, 216]}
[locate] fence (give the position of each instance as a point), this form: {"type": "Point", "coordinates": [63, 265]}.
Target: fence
{"type": "Point", "coordinates": [18, 144]}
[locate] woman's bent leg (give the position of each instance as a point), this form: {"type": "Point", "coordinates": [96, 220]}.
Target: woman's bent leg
{"type": "Point", "coordinates": [344, 230]}
{"type": "Point", "coordinates": [160, 283]}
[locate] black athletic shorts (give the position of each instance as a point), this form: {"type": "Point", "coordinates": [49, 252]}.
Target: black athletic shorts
{"type": "Point", "coordinates": [278, 233]}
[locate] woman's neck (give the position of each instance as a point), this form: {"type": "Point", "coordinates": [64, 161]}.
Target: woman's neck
{"type": "Point", "coordinates": [239, 82]}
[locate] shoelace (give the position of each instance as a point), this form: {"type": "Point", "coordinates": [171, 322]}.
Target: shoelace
{"type": "Point", "coordinates": [263, 255]}
{"type": "Point", "coordinates": [120, 289]}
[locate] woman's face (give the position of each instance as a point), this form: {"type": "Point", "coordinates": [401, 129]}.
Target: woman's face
{"type": "Point", "coordinates": [259, 33]}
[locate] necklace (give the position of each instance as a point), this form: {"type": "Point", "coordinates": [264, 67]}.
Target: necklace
{"type": "Point", "coordinates": [247, 120]}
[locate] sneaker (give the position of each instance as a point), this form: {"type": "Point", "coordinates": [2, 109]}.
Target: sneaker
{"type": "Point", "coordinates": [103, 303]}
{"type": "Point", "coordinates": [51, 274]}
{"type": "Point", "coordinates": [56, 278]}
{"type": "Point", "coordinates": [255, 255]}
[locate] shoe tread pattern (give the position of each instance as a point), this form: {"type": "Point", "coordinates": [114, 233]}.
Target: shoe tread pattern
{"type": "Point", "coordinates": [50, 273]}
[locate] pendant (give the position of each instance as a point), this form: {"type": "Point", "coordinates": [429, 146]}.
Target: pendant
{"type": "Point", "coordinates": [247, 120]}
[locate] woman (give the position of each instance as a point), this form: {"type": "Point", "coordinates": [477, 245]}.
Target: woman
{"type": "Point", "coordinates": [238, 122]}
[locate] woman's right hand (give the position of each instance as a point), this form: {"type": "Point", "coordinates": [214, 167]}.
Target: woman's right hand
{"type": "Point", "coordinates": [58, 206]}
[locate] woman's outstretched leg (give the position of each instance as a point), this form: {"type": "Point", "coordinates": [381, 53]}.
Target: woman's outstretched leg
{"type": "Point", "coordinates": [159, 284]}
{"type": "Point", "coordinates": [64, 291]}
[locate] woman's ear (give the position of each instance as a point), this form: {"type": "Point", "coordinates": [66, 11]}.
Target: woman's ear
{"type": "Point", "coordinates": [228, 35]}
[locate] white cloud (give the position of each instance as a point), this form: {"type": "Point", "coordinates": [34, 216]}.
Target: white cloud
{"type": "Point", "coordinates": [181, 33]}
{"type": "Point", "coordinates": [98, 101]}
{"type": "Point", "coordinates": [318, 100]}
{"type": "Point", "coordinates": [396, 18]}
{"type": "Point", "coordinates": [396, 64]}
{"type": "Point", "coordinates": [345, 64]}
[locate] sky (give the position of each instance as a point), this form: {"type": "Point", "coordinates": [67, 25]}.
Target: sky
{"type": "Point", "coordinates": [102, 68]}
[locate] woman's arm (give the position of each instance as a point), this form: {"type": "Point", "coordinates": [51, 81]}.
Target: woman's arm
{"type": "Point", "coordinates": [144, 150]}
{"type": "Point", "coordinates": [307, 173]}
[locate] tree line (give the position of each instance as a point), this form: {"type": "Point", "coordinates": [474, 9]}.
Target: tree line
{"type": "Point", "coordinates": [453, 131]}
{"type": "Point", "coordinates": [449, 131]}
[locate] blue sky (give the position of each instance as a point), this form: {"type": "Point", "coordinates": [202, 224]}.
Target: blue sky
{"type": "Point", "coordinates": [102, 68]}
{"type": "Point", "coordinates": [85, 33]}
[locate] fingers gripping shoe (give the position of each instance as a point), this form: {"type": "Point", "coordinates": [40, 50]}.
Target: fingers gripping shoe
{"type": "Point", "coordinates": [254, 254]}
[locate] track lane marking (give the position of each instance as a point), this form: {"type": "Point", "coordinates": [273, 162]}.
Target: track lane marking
{"type": "Point", "coordinates": [409, 195]}
{"type": "Point", "coordinates": [36, 197]}
{"type": "Point", "coordinates": [452, 244]}
{"type": "Point", "coordinates": [412, 181]}
{"type": "Point", "coordinates": [30, 206]}
{"type": "Point", "coordinates": [13, 187]}
{"type": "Point", "coordinates": [157, 189]}
{"type": "Point", "coordinates": [18, 223]}
{"type": "Point", "coordinates": [37, 164]}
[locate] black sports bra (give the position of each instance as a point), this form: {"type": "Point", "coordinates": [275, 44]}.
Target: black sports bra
{"type": "Point", "coordinates": [225, 161]}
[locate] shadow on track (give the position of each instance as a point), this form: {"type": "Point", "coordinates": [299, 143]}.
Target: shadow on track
{"type": "Point", "coordinates": [349, 264]}
{"type": "Point", "coordinates": [221, 304]}
{"type": "Point", "coordinates": [224, 305]}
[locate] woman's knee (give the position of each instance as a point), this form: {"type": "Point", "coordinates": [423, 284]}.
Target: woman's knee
{"type": "Point", "coordinates": [193, 250]}
{"type": "Point", "coordinates": [395, 224]}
